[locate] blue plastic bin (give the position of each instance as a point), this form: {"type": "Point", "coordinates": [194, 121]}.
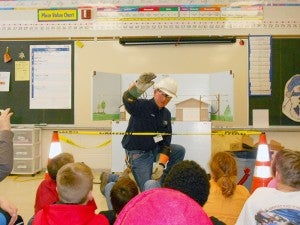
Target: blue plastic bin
{"type": "Point", "coordinates": [245, 158]}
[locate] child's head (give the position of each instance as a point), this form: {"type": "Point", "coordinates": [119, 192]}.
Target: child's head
{"type": "Point", "coordinates": [190, 178]}
{"type": "Point", "coordinates": [122, 192]}
{"type": "Point", "coordinates": [75, 183]}
{"type": "Point", "coordinates": [161, 206]}
{"type": "Point", "coordinates": [223, 169]}
{"type": "Point", "coordinates": [288, 168]}
{"type": "Point", "coordinates": [57, 162]}
{"type": "Point", "coordinates": [275, 156]}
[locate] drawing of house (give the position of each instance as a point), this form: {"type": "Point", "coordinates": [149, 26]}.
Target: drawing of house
{"type": "Point", "coordinates": [192, 110]}
{"type": "Point", "coordinates": [124, 115]}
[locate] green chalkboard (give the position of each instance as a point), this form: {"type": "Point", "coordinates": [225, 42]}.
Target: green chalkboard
{"type": "Point", "coordinates": [18, 96]}
{"type": "Point", "coordinates": [285, 64]}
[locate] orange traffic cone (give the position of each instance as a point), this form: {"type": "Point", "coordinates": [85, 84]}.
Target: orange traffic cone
{"type": "Point", "coordinates": [55, 148]}
{"type": "Point", "coordinates": [262, 171]}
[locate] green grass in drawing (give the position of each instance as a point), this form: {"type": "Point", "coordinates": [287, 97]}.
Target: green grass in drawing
{"type": "Point", "coordinates": [104, 116]}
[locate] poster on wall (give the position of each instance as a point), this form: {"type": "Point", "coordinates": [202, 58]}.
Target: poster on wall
{"type": "Point", "coordinates": [106, 96]}
{"type": "Point", "coordinates": [291, 104]}
{"type": "Point", "coordinates": [200, 97]}
{"type": "Point", "coordinates": [50, 77]}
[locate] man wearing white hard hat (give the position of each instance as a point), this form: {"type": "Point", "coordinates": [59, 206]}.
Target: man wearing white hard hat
{"type": "Point", "coordinates": [152, 121]}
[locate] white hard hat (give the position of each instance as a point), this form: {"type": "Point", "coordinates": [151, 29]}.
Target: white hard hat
{"type": "Point", "coordinates": [168, 86]}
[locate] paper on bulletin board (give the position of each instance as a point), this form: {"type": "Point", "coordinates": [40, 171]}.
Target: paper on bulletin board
{"type": "Point", "coordinates": [50, 77]}
{"type": "Point", "coordinates": [4, 81]}
{"type": "Point", "coordinates": [22, 70]}
{"type": "Point", "coordinates": [260, 118]}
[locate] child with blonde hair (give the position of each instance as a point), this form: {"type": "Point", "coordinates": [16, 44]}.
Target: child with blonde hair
{"type": "Point", "coordinates": [280, 205]}
{"type": "Point", "coordinates": [74, 187]}
{"type": "Point", "coordinates": [46, 193]}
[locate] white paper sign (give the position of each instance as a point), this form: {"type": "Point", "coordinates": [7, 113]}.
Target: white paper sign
{"type": "Point", "coordinates": [4, 81]}
{"type": "Point", "coordinates": [260, 118]}
{"type": "Point", "coordinates": [50, 77]}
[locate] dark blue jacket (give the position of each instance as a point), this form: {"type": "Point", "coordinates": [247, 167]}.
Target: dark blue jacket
{"type": "Point", "coordinates": [146, 117]}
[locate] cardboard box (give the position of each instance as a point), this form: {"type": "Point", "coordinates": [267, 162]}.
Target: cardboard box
{"type": "Point", "coordinates": [247, 142]}
{"type": "Point", "coordinates": [274, 145]}
{"type": "Point", "coordinates": [237, 146]}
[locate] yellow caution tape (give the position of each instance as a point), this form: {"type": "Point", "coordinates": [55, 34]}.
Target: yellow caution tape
{"type": "Point", "coordinates": [235, 132]}
{"type": "Point", "coordinates": [112, 133]}
{"type": "Point", "coordinates": [84, 132]}
{"type": "Point", "coordinates": [69, 141]}
{"type": "Point", "coordinates": [215, 132]}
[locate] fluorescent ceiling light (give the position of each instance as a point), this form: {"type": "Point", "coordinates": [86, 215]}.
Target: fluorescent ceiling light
{"type": "Point", "coordinates": [175, 40]}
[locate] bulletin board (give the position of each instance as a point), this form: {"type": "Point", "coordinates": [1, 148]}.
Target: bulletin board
{"type": "Point", "coordinates": [285, 64]}
{"type": "Point", "coordinates": [17, 98]}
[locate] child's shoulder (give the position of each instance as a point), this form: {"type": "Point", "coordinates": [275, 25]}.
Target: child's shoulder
{"type": "Point", "coordinates": [101, 220]}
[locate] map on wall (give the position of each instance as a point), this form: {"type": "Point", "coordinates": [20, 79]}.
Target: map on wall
{"type": "Point", "coordinates": [197, 93]}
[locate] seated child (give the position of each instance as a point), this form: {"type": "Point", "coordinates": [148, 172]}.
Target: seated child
{"type": "Point", "coordinates": [162, 206]}
{"type": "Point", "coordinates": [8, 211]}
{"type": "Point", "coordinates": [280, 205]}
{"type": "Point", "coordinates": [275, 157]}
{"type": "Point", "coordinates": [121, 193]}
{"type": "Point", "coordinates": [226, 198]}
{"type": "Point", "coordinates": [46, 193]}
{"type": "Point", "coordinates": [74, 187]}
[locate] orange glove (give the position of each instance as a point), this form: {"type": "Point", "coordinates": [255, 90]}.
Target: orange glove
{"type": "Point", "coordinates": [159, 167]}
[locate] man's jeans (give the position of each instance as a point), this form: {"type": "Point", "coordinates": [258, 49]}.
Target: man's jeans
{"type": "Point", "coordinates": [141, 163]}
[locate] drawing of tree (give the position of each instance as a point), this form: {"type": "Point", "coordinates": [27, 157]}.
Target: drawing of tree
{"type": "Point", "coordinates": [101, 107]}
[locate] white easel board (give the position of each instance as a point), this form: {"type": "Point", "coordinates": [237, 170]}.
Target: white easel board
{"type": "Point", "coordinates": [194, 136]}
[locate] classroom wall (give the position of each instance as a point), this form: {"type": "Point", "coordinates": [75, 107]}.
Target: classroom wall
{"type": "Point", "coordinates": [111, 57]}
{"type": "Point", "coordinates": [108, 56]}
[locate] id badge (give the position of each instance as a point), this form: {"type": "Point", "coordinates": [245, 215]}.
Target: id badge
{"type": "Point", "coordinates": [157, 138]}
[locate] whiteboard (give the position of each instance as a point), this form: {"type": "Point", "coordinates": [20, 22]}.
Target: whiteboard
{"type": "Point", "coordinates": [194, 136]}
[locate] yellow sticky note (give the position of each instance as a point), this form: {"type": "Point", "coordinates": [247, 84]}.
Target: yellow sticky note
{"type": "Point", "coordinates": [79, 44]}
{"type": "Point", "coordinates": [22, 70]}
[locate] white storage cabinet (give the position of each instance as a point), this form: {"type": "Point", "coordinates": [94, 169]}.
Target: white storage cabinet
{"type": "Point", "coordinates": [27, 151]}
